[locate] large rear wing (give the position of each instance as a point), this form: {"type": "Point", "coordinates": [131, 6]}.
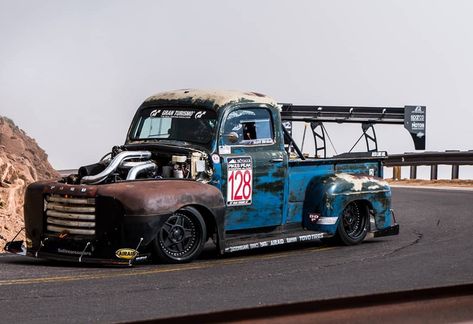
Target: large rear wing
{"type": "Point", "coordinates": [412, 117]}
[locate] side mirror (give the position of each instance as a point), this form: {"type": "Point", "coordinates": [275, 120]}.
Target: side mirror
{"type": "Point", "coordinates": [232, 137]}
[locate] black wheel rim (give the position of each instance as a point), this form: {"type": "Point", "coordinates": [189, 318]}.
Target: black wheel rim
{"type": "Point", "coordinates": [353, 221]}
{"type": "Point", "coordinates": [179, 236]}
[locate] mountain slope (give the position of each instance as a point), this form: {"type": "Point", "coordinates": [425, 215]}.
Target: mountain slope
{"type": "Point", "coordinates": [22, 162]}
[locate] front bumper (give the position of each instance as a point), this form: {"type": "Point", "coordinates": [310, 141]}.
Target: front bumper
{"type": "Point", "coordinates": [69, 252]}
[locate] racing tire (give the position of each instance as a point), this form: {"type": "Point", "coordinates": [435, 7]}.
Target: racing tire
{"type": "Point", "coordinates": [181, 237]}
{"type": "Point", "coordinates": [353, 224]}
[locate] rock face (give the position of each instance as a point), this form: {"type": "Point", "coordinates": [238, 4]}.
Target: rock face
{"type": "Point", "coordinates": [22, 162]}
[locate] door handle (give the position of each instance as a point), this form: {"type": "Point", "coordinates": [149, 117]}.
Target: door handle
{"type": "Point", "coordinates": [277, 160]}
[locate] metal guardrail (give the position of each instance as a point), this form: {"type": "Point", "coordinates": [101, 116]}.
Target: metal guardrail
{"type": "Point", "coordinates": [432, 159]}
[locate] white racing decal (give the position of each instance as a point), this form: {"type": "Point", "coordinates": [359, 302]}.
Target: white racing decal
{"type": "Point", "coordinates": [327, 220]}
{"type": "Point", "coordinates": [310, 237]}
{"type": "Point", "coordinates": [215, 158]}
{"type": "Point", "coordinates": [200, 114]}
{"type": "Point", "coordinates": [314, 217]}
{"type": "Point", "coordinates": [294, 239]}
{"type": "Point", "coordinates": [379, 154]}
{"type": "Point", "coordinates": [141, 258]}
{"type": "Point", "coordinates": [239, 181]}
{"type": "Point", "coordinates": [418, 109]}
{"type": "Point", "coordinates": [225, 149]}
{"type": "Point", "coordinates": [238, 248]}
{"type": "Point", "coordinates": [178, 113]}
{"type": "Point", "coordinates": [65, 251]}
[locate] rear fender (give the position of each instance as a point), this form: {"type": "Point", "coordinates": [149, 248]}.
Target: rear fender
{"type": "Point", "coordinates": [327, 197]}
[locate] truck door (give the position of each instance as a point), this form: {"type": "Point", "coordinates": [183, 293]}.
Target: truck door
{"type": "Point", "coordinates": [254, 166]}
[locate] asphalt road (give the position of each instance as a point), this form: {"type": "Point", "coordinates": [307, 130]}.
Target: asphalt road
{"type": "Point", "coordinates": [434, 249]}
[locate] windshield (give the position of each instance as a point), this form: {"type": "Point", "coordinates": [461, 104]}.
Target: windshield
{"type": "Point", "coordinates": [179, 124]}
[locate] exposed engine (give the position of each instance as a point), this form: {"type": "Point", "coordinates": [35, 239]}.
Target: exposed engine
{"type": "Point", "coordinates": [123, 165]}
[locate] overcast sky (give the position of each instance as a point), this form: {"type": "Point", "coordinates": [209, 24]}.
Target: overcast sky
{"type": "Point", "coordinates": [72, 73]}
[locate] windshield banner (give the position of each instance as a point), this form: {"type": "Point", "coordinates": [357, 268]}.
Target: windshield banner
{"type": "Point", "coordinates": [182, 114]}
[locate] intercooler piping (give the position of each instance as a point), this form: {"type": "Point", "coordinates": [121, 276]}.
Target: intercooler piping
{"type": "Point", "coordinates": [114, 164]}
{"type": "Point", "coordinates": [137, 169]}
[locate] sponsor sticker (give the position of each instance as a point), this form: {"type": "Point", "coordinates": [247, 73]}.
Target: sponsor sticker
{"type": "Point", "coordinates": [379, 154]}
{"type": "Point", "coordinates": [327, 220]}
{"type": "Point", "coordinates": [178, 113]}
{"type": "Point", "coordinates": [64, 234]}
{"type": "Point", "coordinates": [314, 217]}
{"type": "Point", "coordinates": [66, 251]}
{"type": "Point", "coordinates": [225, 149]}
{"type": "Point", "coordinates": [239, 181]}
{"type": "Point", "coordinates": [274, 242]}
{"type": "Point", "coordinates": [126, 253]}
{"type": "Point", "coordinates": [215, 158]}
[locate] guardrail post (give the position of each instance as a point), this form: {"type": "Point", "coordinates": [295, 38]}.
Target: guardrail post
{"type": "Point", "coordinates": [413, 173]}
{"type": "Point", "coordinates": [433, 171]}
{"type": "Point", "coordinates": [396, 173]}
{"type": "Point", "coordinates": [455, 171]}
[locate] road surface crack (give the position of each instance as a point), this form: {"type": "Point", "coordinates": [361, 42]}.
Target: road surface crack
{"type": "Point", "coordinates": [417, 240]}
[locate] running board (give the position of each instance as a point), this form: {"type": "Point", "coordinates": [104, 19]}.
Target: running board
{"type": "Point", "coordinates": [255, 243]}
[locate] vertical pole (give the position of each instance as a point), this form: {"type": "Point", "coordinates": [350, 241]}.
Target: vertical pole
{"type": "Point", "coordinates": [396, 173]}
{"type": "Point", "coordinates": [433, 171]}
{"type": "Point", "coordinates": [455, 171]}
{"type": "Point", "coordinates": [413, 174]}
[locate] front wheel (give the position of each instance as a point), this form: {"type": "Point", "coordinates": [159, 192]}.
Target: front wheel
{"type": "Point", "coordinates": [353, 224]}
{"type": "Point", "coordinates": [181, 237]}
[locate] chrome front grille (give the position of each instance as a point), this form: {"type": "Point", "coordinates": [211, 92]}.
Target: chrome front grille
{"type": "Point", "coordinates": [73, 215]}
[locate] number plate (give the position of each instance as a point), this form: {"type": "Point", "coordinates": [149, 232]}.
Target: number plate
{"type": "Point", "coordinates": [239, 181]}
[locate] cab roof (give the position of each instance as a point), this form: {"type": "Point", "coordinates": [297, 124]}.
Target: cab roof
{"type": "Point", "coordinates": [213, 99]}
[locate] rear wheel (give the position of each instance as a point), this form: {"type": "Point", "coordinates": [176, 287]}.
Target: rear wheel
{"type": "Point", "coordinates": [353, 224]}
{"type": "Point", "coordinates": [182, 236]}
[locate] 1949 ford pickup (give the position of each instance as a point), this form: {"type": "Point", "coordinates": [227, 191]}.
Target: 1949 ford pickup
{"type": "Point", "coordinates": [222, 165]}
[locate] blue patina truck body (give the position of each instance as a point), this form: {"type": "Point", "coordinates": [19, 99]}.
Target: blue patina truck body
{"type": "Point", "coordinates": [216, 164]}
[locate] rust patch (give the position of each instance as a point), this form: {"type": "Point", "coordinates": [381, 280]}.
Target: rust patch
{"type": "Point", "coordinates": [218, 98]}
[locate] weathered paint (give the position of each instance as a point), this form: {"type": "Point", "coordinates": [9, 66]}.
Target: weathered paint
{"type": "Point", "coordinates": [126, 211]}
{"type": "Point", "coordinates": [312, 193]}
{"type": "Point", "coordinates": [299, 178]}
{"type": "Point", "coordinates": [330, 194]}
{"type": "Point", "coordinates": [269, 179]}
{"type": "Point", "coordinates": [212, 98]}
{"type": "Point", "coordinates": [367, 168]}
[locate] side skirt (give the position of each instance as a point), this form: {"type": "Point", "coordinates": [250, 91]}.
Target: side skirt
{"type": "Point", "coordinates": [235, 245]}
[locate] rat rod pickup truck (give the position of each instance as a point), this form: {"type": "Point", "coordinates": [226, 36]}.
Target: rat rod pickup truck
{"type": "Point", "coordinates": [222, 165]}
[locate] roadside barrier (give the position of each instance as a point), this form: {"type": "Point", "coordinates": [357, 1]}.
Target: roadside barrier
{"type": "Point", "coordinates": [432, 159]}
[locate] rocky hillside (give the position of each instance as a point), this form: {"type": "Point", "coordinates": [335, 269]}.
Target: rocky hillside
{"type": "Point", "coordinates": [22, 161]}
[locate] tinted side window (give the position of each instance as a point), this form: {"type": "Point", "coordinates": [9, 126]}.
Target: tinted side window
{"type": "Point", "coordinates": [253, 126]}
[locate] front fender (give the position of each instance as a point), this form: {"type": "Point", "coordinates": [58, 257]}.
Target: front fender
{"type": "Point", "coordinates": [328, 196]}
{"type": "Point", "coordinates": [144, 201]}
{"type": "Point", "coordinates": [162, 197]}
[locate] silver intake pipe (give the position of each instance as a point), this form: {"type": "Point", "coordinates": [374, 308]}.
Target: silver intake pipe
{"type": "Point", "coordinates": [137, 169]}
{"type": "Point", "coordinates": [114, 164]}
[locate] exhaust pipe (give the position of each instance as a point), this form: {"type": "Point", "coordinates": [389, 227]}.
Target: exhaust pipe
{"type": "Point", "coordinates": [114, 164]}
